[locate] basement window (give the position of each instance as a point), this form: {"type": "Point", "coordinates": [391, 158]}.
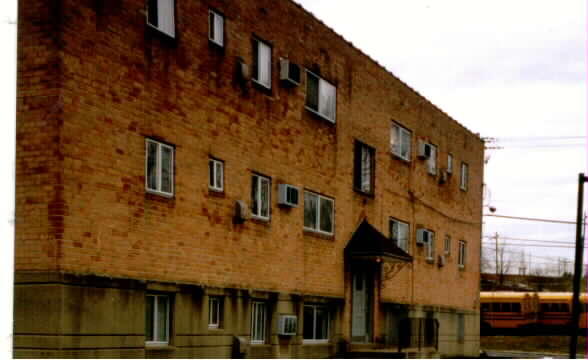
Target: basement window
{"type": "Point", "coordinates": [316, 324]}
{"type": "Point", "coordinates": [215, 312]}
{"type": "Point", "coordinates": [157, 316]}
{"type": "Point", "coordinates": [321, 97]}
{"type": "Point", "coordinates": [159, 168]}
{"type": "Point", "coordinates": [161, 16]}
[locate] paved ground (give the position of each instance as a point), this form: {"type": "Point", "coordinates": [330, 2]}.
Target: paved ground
{"type": "Point", "coordinates": [494, 354]}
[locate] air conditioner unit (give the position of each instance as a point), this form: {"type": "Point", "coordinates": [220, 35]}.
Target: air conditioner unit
{"type": "Point", "coordinates": [288, 195]}
{"type": "Point", "coordinates": [425, 150]}
{"type": "Point", "coordinates": [423, 236]}
{"type": "Point", "coordinates": [441, 261]}
{"type": "Point", "coordinates": [287, 325]}
{"type": "Point", "coordinates": [289, 72]}
{"type": "Point", "coordinates": [241, 211]}
{"type": "Point", "coordinates": [243, 73]}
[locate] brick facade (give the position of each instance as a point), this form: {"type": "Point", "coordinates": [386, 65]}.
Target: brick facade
{"type": "Point", "coordinates": [94, 82]}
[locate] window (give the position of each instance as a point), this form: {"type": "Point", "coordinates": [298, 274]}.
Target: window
{"type": "Point", "coordinates": [399, 234]}
{"type": "Point", "coordinates": [215, 312]}
{"type": "Point", "coordinates": [258, 322]}
{"type": "Point", "coordinates": [316, 323]}
{"type": "Point", "coordinates": [449, 164]}
{"type": "Point", "coordinates": [215, 175]}
{"type": "Point", "coordinates": [430, 247]}
{"type": "Point", "coordinates": [462, 254]}
{"type": "Point", "coordinates": [447, 246]}
{"type": "Point", "coordinates": [321, 96]}
{"type": "Point", "coordinates": [400, 142]}
{"type": "Point", "coordinates": [432, 160]}
{"type": "Point", "coordinates": [216, 23]}
{"type": "Point", "coordinates": [260, 197]}
{"type": "Point", "coordinates": [318, 213]}
{"type": "Point", "coordinates": [157, 310]}
{"type": "Point", "coordinates": [159, 177]}
{"type": "Point", "coordinates": [262, 63]}
{"type": "Point", "coordinates": [460, 328]}
{"type": "Point", "coordinates": [463, 183]}
{"type": "Point", "coordinates": [364, 168]}
{"type": "Point", "coordinates": [160, 15]}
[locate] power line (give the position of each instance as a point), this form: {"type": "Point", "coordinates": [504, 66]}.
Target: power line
{"type": "Point", "coordinates": [531, 219]}
{"type": "Point", "coordinates": [532, 240]}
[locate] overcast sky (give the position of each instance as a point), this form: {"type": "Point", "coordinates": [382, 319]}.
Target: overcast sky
{"type": "Point", "coordinates": [513, 70]}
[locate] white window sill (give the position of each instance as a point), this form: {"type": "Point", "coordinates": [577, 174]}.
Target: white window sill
{"type": "Point", "coordinates": [267, 87]}
{"type": "Point", "coordinates": [315, 231]}
{"type": "Point", "coordinates": [461, 267]}
{"type": "Point", "coordinates": [260, 218]}
{"type": "Point", "coordinates": [216, 42]}
{"type": "Point", "coordinates": [320, 115]}
{"type": "Point", "coordinates": [315, 342]}
{"type": "Point", "coordinates": [430, 260]}
{"type": "Point", "coordinates": [257, 342]}
{"type": "Point", "coordinates": [157, 344]}
{"type": "Point", "coordinates": [218, 190]}
{"type": "Point", "coordinates": [159, 193]}
{"type": "Point", "coordinates": [399, 157]}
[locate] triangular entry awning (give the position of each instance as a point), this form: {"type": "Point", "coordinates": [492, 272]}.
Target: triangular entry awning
{"type": "Point", "coordinates": [367, 242]}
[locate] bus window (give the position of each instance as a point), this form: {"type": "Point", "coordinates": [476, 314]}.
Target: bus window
{"type": "Point", "coordinates": [506, 307]}
{"type": "Point", "coordinates": [516, 307]}
{"type": "Point", "coordinates": [565, 308]}
{"type": "Point", "coordinates": [545, 307]}
{"type": "Point", "coordinates": [495, 307]}
{"type": "Point", "coordinates": [485, 307]}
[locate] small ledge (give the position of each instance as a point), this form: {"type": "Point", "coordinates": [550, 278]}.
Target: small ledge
{"type": "Point", "coordinates": [319, 235]}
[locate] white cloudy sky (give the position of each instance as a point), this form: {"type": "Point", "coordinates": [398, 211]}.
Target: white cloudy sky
{"type": "Point", "coordinates": [514, 70]}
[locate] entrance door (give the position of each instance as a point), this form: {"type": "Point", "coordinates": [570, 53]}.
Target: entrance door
{"type": "Point", "coordinates": [361, 308]}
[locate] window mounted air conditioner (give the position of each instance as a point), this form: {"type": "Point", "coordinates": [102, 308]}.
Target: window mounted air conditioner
{"type": "Point", "coordinates": [289, 73]}
{"type": "Point", "coordinates": [241, 211]}
{"type": "Point", "coordinates": [287, 325]}
{"type": "Point", "coordinates": [425, 150]}
{"type": "Point", "coordinates": [288, 195]}
{"type": "Point", "coordinates": [423, 236]}
{"type": "Point", "coordinates": [441, 261]}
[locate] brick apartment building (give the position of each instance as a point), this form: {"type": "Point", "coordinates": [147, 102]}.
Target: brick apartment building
{"type": "Point", "coordinates": [216, 178]}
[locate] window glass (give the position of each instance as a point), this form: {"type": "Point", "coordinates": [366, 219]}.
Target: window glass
{"type": "Point", "coordinates": [215, 28]}
{"type": "Point", "coordinates": [310, 210]}
{"type": "Point", "coordinates": [162, 312]}
{"type": "Point", "coordinates": [258, 322]}
{"type": "Point", "coordinates": [312, 92]}
{"type": "Point", "coordinates": [159, 167]}
{"type": "Point", "coordinates": [265, 196]}
{"type": "Point", "coordinates": [166, 169]}
{"type": "Point", "coordinates": [219, 175]}
{"type": "Point", "coordinates": [516, 307]}
{"type": "Point", "coordinates": [464, 176]}
{"type": "Point", "coordinates": [432, 162]}
{"type": "Point", "coordinates": [149, 310]}
{"type": "Point", "coordinates": [326, 215]}
{"type": "Point", "coordinates": [308, 327]}
{"type": "Point", "coordinates": [152, 165]}
{"type": "Point", "coordinates": [322, 323]}
{"type": "Point", "coordinates": [254, 195]}
{"type": "Point", "coordinates": [160, 14]}
{"type": "Point", "coordinates": [321, 96]}
{"type": "Point", "coordinates": [405, 144]}
{"type": "Point", "coordinates": [262, 63]}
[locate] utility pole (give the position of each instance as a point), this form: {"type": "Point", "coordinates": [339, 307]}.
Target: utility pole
{"type": "Point", "coordinates": [578, 267]}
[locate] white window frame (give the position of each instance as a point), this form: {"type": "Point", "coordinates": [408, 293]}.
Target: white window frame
{"type": "Point", "coordinates": [257, 327]}
{"type": "Point", "coordinates": [464, 177]}
{"type": "Point", "coordinates": [449, 163]}
{"type": "Point", "coordinates": [267, 63]}
{"type": "Point", "coordinates": [155, 320]}
{"type": "Point", "coordinates": [158, 171]}
{"type": "Point", "coordinates": [323, 109]}
{"type": "Point", "coordinates": [216, 28]}
{"type": "Point", "coordinates": [432, 160]}
{"type": "Point", "coordinates": [430, 247]}
{"type": "Point", "coordinates": [318, 213]}
{"type": "Point", "coordinates": [394, 237]}
{"type": "Point", "coordinates": [447, 245]}
{"type": "Point", "coordinates": [167, 27]}
{"type": "Point", "coordinates": [461, 260]}
{"type": "Point", "coordinates": [215, 303]}
{"type": "Point", "coordinates": [260, 179]}
{"type": "Point", "coordinates": [214, 166]}
{"type": "Point", "coordinates": [314, 324]}
{"type": "Point", "coordinates": [397, 134]}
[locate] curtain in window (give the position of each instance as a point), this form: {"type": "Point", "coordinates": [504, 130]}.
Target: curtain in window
{"type": "Point", "coordinates": [152, 166]}
{"type": "Point", "coordinates": [310, 210]}
{"type": "Point", "coordinates": [395, 146]}
{"type": "Point", "coordinates": [265, 189]}
{"type": "Point", "coordinates": [326, 215]}
{"type": "Point", "coordinates": [403, 236]}
{"type": "Point", "coordinates": [366, 169]}
{"type": "Point", "coordinates": [166, 169]}
{"type": "Point", "coordinates": [405, 144]}
{"type": "Point", "coordinates": [166, 16]}
{"type": "Point", "coordinates": [264, 64]}
{"type": "Point", "coordinates": [327, 100]}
